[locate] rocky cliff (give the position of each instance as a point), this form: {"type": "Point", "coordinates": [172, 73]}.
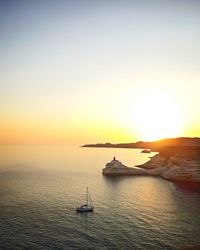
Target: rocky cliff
{"type": "Point", "coordinates": [115, 167]}
{"type": "Point", "coordinates": [175, 166]}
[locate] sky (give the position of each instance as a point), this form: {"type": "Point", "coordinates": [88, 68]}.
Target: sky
{"type": "Point", "coordinates": [86, 71]}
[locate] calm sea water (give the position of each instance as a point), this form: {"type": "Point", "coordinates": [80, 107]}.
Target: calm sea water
{"type": "Point", "coordinates": [40, 187]}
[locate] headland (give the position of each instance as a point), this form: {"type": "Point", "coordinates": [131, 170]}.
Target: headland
{"type": "Point", "coordinates": [154, 146]}
{"type": "Point", "coordinates": [171, 163]}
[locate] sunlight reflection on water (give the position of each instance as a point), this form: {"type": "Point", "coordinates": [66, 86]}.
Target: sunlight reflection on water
{"type": "Point", "coordinates": [40, 186]}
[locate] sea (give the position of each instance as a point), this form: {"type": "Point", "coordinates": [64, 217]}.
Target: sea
{"type": "Point", "coordinates": [41, 186]}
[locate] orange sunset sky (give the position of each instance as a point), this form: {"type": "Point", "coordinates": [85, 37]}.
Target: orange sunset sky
{"type": "Point", "coordinates": [80, 72]}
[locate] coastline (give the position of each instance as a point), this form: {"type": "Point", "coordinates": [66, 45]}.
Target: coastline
{"type": "Point", "coordinates": [173, 164]}
{"type": "Point", "coordinates": [154, 146]}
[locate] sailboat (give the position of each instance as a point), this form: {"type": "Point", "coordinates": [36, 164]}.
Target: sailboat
{"type": "Point", "coordinates": [88, 206]}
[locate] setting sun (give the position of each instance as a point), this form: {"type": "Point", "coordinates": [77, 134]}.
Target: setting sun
{"type": "Point", "coordinates": [157, 115]}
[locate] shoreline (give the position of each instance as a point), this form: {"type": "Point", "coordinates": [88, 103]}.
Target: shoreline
{"type": "Point", "coordinates": [174, 167]}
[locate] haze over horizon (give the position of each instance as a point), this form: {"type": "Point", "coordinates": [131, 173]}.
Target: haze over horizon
{"type": "Point", "coordinates": [96, 71]}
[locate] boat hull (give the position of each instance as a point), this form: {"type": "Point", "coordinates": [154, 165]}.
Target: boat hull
{"type": "Point", "coordinates": [84, 209]}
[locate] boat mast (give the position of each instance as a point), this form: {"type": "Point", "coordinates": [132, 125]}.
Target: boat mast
{"type": "Point", "coordinates": [87, 195]}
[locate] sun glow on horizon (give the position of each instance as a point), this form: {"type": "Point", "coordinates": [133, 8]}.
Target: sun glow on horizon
{"type": "Point", "coordinates": [157, 115]}
{"type": "Point", "coordinates": [110, 71]}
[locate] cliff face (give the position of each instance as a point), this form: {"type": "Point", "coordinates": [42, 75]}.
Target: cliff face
{"type": "Point", "coordinates": [174, 168]}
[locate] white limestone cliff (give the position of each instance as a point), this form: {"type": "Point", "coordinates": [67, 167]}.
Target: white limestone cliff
{"type": "Point", "coordinates": [172, 168]}
{"type": "Point", "coordinates": [115, 167]}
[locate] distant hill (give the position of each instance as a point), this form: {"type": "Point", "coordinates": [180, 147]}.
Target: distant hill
{"type": "Point", "coordinates": [154, 146]}
{"type": "Point", "coordinates": [189, 152]}
{"type": "Point", "coordinates": [176, 142]}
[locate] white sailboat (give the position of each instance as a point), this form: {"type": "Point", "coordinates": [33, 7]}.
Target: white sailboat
{"type": "Point", "coordinates": [88, 206]}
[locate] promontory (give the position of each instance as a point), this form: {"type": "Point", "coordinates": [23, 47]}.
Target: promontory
{"type": "Point", "coordinates": [171, 163]}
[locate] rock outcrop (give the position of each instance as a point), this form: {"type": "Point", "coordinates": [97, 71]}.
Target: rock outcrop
{"type": "Point", "coordinates": [174, 168]}
{"type": "Point", "coordinates": [115, 167]}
